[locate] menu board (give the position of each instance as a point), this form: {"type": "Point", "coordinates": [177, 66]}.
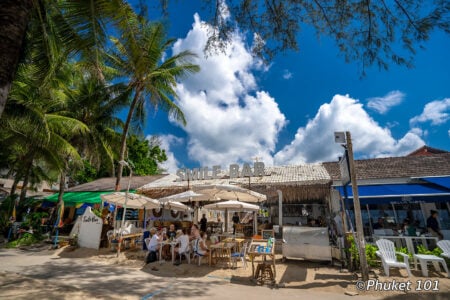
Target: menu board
{"type": "Point", "coordinates": [267, 234]}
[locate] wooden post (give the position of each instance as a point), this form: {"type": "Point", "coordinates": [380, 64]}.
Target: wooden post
{"type": "Point", "coordinates": [358, 219]}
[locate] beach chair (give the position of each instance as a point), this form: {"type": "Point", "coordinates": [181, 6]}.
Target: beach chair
{"type": "Point", "coordinates": [388, 256]}
{"type": "Point", "coordinates": [240, 255]}
{"type": "Point", "coordinates": [444, 245]}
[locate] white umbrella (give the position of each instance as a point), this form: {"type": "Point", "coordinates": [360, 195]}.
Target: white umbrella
{"type": "Point", "coordinates": [132, 200]}
{"type": "Point", "coordinates": [175, 205]}
{"type": "Point", "coordinates": [232, 205]}
{"type": "Point", "coordinates": [229, 192]}
{"type": "Point", "coordinates": [189, 195]}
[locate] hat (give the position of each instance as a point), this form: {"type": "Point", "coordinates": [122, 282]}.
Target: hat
{"type": "Point", "coordinates": [432, 212]}
{"type": "Point", "coordinates": [153, 229]}
{"type": "Point", "coordinates": [179, 233]}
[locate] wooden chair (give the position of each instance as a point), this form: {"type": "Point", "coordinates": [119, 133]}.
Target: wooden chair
{"type": "Point", "coordinates": [388, 256]}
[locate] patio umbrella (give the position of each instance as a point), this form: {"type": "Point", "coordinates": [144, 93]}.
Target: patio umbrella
{"type": "Point", "coordinates": [229, 192]}
{"type": "Point", "coordinates": [133, 200]}
{"type": "Point", "coordinates": [175, 205]}
{"type": "Point", "coordinates": [189, 195]}
{"type": "Point", "coordinates": [234, 205]}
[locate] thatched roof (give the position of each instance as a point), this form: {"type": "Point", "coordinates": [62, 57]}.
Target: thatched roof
{"type": "Point", "coordinates": [298, 183]}
{"type": "Point", "coordinates": [109, 183]}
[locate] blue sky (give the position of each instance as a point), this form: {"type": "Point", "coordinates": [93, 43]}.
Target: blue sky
{"type": "Point", "coordinates": [285, 113]}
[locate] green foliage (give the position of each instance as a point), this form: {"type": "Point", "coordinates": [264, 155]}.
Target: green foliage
{"type": "Point", "coordinates": [423, 250]}
{"type": "Point", "coordinates": [372, 259]}
{"type": "Point", "coordinates": [26, 240]}
{"type": "Point", "coordinates": [403, 250]}
{"type": "Point", "coordinates": [145, 155]}
{"type": "Point", "coordinates": [97, 212]}
{"type": "Point", "coordinates": [86, 174]}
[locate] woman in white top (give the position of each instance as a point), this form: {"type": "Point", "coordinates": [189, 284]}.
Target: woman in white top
{"type": "Point", "coordinates": [200, 247]}
{"type": "Point", "coordinates": [182, 241]}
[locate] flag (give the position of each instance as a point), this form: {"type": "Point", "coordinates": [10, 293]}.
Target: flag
{"type": "Point", "coordinates": [59, 220]}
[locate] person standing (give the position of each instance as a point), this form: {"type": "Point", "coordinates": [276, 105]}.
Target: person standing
{"type": "Point", "coordinates": [235, 220]}
{"type": "Point", "coordinates": [203, 223]}
{"type": "Point", "coordinates": [433, 225]}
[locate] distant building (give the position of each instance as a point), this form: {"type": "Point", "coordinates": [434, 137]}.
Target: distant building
{"type": "Point", "coordinates": [425, 150]}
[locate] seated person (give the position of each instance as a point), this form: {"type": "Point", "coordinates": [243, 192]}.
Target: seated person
{"type": "Point", "coordinates": [182, 241]}
{"type": "Point", "coordinates": [155, 241]}
{"type": "Point", "coordinates": [200, 247]}
{"type": "Point", "coordinates": [379, 224]}
{"type": "Point", "coordinates": [171, 234]}
{"type": "Point", "coordinates": [195, 233]}
{"type": "Point", "coordinates": [408, 228]}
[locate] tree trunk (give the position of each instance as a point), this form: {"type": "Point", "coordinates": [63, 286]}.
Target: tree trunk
{"type": "Point", "coordinates": [123, 144]}
{"type": "Point", "coordinates": [23, 191]}
{"type": "Point", "coordinates": [14, 17]}
{"type": "Point", "coordinates": [15, 183]}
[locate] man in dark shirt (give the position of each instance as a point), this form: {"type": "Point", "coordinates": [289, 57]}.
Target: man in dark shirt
{"type": "Point", "coordinates": [235, 220]}
{"type": "Point", "coordinates": [433, 225]}
{"type": "Point", "coordinates": [203, 223]}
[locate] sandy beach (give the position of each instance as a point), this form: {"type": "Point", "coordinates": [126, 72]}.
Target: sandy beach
{"type": "Point", "coordinates": [81, 273]}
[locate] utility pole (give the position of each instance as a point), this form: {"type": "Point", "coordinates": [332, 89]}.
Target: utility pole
{"type": "Point", "coordinates": [358, 219]}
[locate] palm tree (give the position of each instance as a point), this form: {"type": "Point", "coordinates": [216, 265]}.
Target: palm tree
{"type": "Point", "coordinates": [36, 132]}
{"type": "Point", "coordinates": [66, 26]}
{"type": "Point", "coordinates": [97, 105]}
{"type": "Point", "coordinates": [138, 57]}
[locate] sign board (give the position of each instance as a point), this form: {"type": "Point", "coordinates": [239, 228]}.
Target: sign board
{"type": "Point", "coordinates": [89, 229]}
{"type": "Point", "coordinates": [267, 234]}
{"type": "Point", "coordinates": [205, 173]}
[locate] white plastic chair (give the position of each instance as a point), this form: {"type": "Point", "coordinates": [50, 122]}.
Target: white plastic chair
{"type": "Point", "coordinates": [240, 255]}
{"type": "Point", "coordinates": [388, 256]}
{"type": "Point", "coordinates": [186, 253]}
{"type": "Point", "coordinates": [195, 253]}
{"type": "Point", "coordinates": [445, 247]}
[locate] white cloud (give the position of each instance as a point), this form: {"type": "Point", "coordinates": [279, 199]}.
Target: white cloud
{"type": "Point", "coordinates": [287, 74]}
{"type": "Point", "coordinates": [436, 111]}
{"type": "Point", "coordinates": [167, 141]}
{"type": "Point", "coordinates": [383, 104]}
{"type": "Point", "coordinates": [228, 118]}
{"type": "Point", "coordinates": [315, 141]}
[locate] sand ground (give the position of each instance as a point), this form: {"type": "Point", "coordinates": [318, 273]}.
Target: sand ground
{"type": "Point", "coordinates": [81, 273]}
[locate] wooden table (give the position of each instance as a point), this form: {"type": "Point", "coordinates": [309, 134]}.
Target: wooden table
{"type": "Point", "coordinates": [221, 250]}
{"type": "Point", "coordinates": [172, 249]}
{"type": "Point", "coordinates": [132, 237]}
{"type": "Point", "coordinates": [239, 242]}
{"type": "Point", "coordinates": [267, 257]}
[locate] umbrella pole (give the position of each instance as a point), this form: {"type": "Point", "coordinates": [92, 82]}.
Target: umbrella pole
{"type": "Point", "coordinates": [226, 220]}
{"type": "Point", "coordinates": [255, 223]}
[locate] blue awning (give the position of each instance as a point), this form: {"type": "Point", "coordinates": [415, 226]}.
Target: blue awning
{"type": "Point", "coordinates": [387, 193]}
{"type": "Point", "coordinates": [443, 181]}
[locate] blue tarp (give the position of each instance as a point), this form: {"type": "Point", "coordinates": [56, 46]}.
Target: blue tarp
{"type": "Point", "coordinates": [387, 193]}
{"type": "Point", "coordinates": [443, 181]}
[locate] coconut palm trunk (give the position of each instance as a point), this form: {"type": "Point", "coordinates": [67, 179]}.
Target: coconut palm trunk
{"type": "Point", "coordinates": [14, 17]}
{"type": "Point", "coordinates": [123, 142]}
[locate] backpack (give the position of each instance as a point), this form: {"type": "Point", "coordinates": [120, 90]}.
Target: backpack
{"type": "Point", "coordinates": [151, 257]}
